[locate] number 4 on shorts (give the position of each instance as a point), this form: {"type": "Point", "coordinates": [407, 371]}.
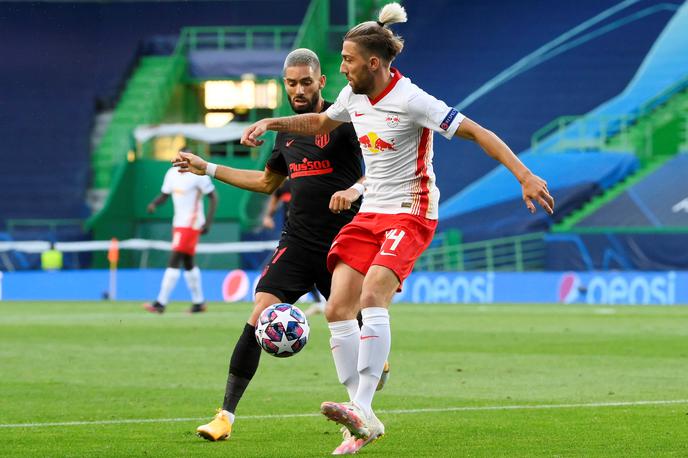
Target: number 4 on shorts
{"type": "Point", "coordinates": [395, 235]}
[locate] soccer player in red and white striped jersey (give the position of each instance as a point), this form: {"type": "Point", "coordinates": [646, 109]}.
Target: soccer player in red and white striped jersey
{"type": "Point", "coordinates": [371, 256]}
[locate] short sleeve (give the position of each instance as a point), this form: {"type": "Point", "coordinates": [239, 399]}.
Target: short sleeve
{"type": "Point", "coordinates": [167, 186]}
{"type": "Point", "coordinates": [434, 114]}
{"type": "Point", "coordinates": [276, 162]}
{"type": "Point", "coordinates": [338, 111]}
{"type": "Point", "coordinates": [205, 184]}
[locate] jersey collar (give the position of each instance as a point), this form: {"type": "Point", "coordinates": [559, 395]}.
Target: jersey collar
{"type": "Point", "coordinates": [396, 76]}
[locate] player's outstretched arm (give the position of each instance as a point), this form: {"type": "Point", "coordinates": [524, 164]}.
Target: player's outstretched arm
{"type": "Point", "coordinates": [252, 180]}
{"type": "Point", "coordinates": [155, 203]}
{"type": "Point", "coordinates": [533, 187]}
{"type": "Point", "coordinates": [303, 124]}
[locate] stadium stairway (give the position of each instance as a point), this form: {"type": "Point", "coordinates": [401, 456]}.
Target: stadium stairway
{"type": "Point", "coordinates": [654, 199]}
{"type": "Point", "coordinates": [639, 225]}
{"type": "Point", "coordinates": [143, 101]}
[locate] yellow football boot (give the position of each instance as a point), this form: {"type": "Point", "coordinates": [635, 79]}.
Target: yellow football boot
{"type": "Point", "coordinates": [218, 429]}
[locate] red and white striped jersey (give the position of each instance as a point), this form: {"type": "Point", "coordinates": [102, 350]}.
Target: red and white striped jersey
{"type": "Point", "coordinates": [395, 131]}
{"type": "Point", "coordinates": [187, 192]}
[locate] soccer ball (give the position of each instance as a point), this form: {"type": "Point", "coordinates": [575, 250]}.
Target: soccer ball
{"type": "Point", "coordinates": [282, 330]}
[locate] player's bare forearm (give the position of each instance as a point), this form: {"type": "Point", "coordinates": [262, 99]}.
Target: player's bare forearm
{"type": "Point", "coordinates": [533, 187]}
{"type": "Point", "coordinates": [303, 124]}
{"type": "Point", "coordinates": [251, 180]}
{"type": "Point", "coordinates": [160, 199]}
{"type": "Point", "coordinates": [498, 150]}
{"type": "Point", "coordinates": [273, 205]}
{"type": "Point", "coordinates": [212, 208]}
{"type": "Point", "coordinates": [155, 203]}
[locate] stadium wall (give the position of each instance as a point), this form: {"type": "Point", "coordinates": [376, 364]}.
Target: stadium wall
{"type": "Point", "coordinates": [603, 288]}
{"type": "Point", "coordinates": [632, 249]}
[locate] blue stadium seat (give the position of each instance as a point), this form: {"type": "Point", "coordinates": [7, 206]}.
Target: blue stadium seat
{"type": "Point", "coordinates": [492, 206]}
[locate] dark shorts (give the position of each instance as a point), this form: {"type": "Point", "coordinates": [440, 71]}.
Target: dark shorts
{"type": "Point", "coordinates": [292, 271]}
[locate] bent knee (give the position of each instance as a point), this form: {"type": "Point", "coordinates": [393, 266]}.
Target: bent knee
{"type": "Point", "coordinates": [335, 312]}
{"type": "Point", "coordinates": [374, 298]}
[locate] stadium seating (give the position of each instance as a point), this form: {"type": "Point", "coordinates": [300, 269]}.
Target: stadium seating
{"type": "Point", "coordinates": [54, 69]}
{"type": "Point", "coordinates": [654, 202]}
{"type": "Point", "coordinates": [492, 207]}
{"type": "Point", "coordinates": [641, 227]}
{"type": "Point", "coordinates": [662, 73]}
{"type": "Point", "coordinates": [650, 251]}
{"type": "Point", "coordinates": [573, 81]}
{"type": "Point", "coordinates": [459, 55]}
{"type": "Point", "coordinates": [665, 68]}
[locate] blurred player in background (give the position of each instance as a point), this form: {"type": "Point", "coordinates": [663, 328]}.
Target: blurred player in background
{"type": "Point", "coordinates": [278, 199]}
{"type": "Point", "coordinates": [188, 224]}
{"type": "Point", "coordinates": [371, 256]}
{"type": "Point", "coordinates": [325, 172]}
{"type": "Point", "coordinates": [281, 199]}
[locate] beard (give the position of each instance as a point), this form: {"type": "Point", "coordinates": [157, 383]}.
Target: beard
{"type": "Point", "coordinates": [309, 107]}
{"type": "Point", "coordinates": [364, 85]}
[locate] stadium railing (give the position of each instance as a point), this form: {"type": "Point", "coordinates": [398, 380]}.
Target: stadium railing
{"type": "Point", "coordinates": [636, 130]}
{"type": "Point", "coordinates": [52, 226]}
{"type": "Point", "coordinates": [229, 37]}
{"type": "Point", "coordinates": [140, 245]}
{"type": "Point", "coordinates": [516, 253]}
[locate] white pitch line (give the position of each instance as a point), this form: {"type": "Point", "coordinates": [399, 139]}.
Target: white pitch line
{"type": "Point", "coordinates": [393, 411]}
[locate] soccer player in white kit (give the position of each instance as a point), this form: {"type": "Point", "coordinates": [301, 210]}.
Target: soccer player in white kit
{"type": "Point", "coordinates": [189, 222]}
{"type": "Point", "coordinates": [371, 256]}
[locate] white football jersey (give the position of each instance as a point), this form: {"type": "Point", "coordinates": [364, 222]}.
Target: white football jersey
{"type": "Point", "coordinates": [187, 192]}
{"type": "Point", "coordinates": [395, 132]}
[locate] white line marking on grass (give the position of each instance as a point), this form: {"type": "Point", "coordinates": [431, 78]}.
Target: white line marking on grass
{"type": "Point", "coordinates": [538, 407]}
{"type": "Point", "coordinates": [393, 411]}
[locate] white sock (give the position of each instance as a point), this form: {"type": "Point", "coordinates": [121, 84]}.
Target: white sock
{"type": "Point", "coordinates": [193, 281]}
{"type": "Point", "coordinates": [376, 340]}
{"type": "Point", "coordinates": [344, 345]}
{"type": "Point", "coordinates": [230, 415]}
{"type": "Point", "coordinates": [169, 281]}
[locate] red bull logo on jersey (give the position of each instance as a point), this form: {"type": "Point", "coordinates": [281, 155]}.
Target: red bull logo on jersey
{"type": "Point", "coordinates": [307, 168]}
{"type": "Point", "coordinates": [373, 143]}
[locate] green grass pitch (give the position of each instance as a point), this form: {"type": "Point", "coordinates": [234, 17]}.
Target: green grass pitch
{"type": "Point", "coordinates": [109, 379]}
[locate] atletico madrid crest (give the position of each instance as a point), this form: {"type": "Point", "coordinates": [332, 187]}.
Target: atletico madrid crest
{"type": "Point", "coordinates": [322, 140]}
